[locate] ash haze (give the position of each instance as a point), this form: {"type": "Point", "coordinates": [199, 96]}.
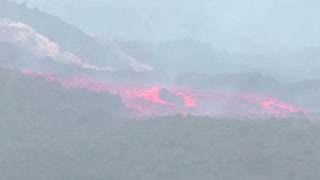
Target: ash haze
{"type": "Point", "coordinates": [229, 24]}
{"type": "Point", "coordinates": [159, 89]}
{"type": "Point", "coordinates": [279, 34]}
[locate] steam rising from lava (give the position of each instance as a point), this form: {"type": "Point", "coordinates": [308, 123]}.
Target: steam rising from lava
{"type": "Point", "coordinates": [147, 100]}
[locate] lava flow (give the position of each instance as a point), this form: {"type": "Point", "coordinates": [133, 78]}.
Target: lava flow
{"type": "Point", "coordinates": [146, 100]}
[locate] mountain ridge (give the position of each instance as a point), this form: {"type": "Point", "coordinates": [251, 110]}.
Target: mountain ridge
{"type": "Point", "coordinates": [67, 36]}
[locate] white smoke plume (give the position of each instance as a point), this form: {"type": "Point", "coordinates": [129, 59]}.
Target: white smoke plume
{"type": "Point", "coordinates": [26, 37]}
{"type": "Point", "coordinates": [133, 62]}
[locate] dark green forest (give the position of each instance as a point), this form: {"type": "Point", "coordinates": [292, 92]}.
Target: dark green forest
{"type": "Point", "coordinates": [51, 132]}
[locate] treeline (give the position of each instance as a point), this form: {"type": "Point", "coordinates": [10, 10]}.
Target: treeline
{"type": "Point", "coordinates": [172, 147]}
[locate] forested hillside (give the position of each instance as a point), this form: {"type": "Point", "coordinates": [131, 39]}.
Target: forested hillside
{"type": "Point", "coordinates": [162, 148]}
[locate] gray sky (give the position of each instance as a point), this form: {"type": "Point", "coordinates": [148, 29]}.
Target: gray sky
{"type": "Point", "coordinates": [232, 24]}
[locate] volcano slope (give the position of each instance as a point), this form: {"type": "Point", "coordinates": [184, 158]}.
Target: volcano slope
{"type": "Point", "coordinates": [52, 132]}
{"type": "Point", "coordinates": [30, 97]}
{"type": "Point", "coordinates": [67, 36]}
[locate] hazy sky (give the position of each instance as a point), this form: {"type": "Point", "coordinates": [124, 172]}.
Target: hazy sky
{"type": "Point", "coordinates": [234, 24]}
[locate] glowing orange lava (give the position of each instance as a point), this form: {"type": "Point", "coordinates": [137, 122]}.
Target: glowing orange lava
{"type": "Point", "coordinates": [144, 100]}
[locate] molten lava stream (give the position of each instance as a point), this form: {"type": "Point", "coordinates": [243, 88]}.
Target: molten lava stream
{"type": "Point", "coordinates": [145, 100]}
